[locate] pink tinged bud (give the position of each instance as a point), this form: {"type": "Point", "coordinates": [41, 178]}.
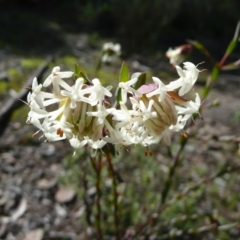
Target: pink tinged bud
{"type": "Point", "coordinates": [147, 88]}
{"type": "Point", "coordinates": [186, 48]}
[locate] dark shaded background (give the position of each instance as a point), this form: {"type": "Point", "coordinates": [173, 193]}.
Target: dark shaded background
{"type": "Point", "coordinates": [38, 26]}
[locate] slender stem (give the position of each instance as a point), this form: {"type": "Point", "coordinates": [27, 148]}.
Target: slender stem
{"type": "Point", "coordinates": [86, 201]}
{"type": "Point", "coordinates": [212, 78]}
{"type": "Point", "coordinates": [97, 166]}
{"type": "Point", "coordinates": [172, 170]}
{"type": "Point", "coordinates": [115, 195]}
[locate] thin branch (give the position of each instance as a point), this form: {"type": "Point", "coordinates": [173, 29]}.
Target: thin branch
{"type": "Point", "coordinates": [172, 170]}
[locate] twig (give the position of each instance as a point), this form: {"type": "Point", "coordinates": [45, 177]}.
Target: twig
{"type": "Point", "coordinates": [14, 103]}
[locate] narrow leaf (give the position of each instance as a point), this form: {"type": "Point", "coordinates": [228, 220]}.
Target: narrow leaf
{"type": "Point", "coordinates": [123, 77]}
{"type": "Point", "coordinates": [77, 69]}
{"type": "Point", "coordinates": [141, 80]}
{"type": "Point", "coordinates": [236, 34]}
{"type": "Point", "coordinates": [80, 72]}
{"type": "Point", "coordinates": [124, 73]}
{"type": "Point", "coordinates": [231, 66]}
{"type": "Point", "coordinates": [118, 95]}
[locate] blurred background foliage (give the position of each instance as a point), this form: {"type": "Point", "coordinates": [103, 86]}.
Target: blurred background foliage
{"type": "Point", "coordinates": [139, 25]}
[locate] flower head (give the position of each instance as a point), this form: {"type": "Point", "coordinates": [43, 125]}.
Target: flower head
{"type": "Point", "coordinates": [179, 54]}
{"type": "Point", "coordinates": [82, 113]}
{"type": "Point", "coordinates": [110, 51]}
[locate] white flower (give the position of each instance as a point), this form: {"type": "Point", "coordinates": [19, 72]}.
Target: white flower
{"type": "Point", "coordinates": [74, 112]}
{"type": "Point", "coordinates": [96, 93]}
{"type": "Point", "coordinates": [101, 114]}
{"type": "Point", "coordinates": [161, 90]}
{"type": "Point", "coordinates": [74, 93]}
{"type": "Point", "coordinates": [126, 88]}
{"type": "Point", "coordinates": [178, 54]}
{"type": "Point", "coordinates": [57, 75]}
{"type": "Point", "coordinates": [188, 77]}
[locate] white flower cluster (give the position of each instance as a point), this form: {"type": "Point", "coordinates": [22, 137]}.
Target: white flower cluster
{"type": "Point", "coordinates": [110, 51]}
{"type": "Point", "coordinates": [82, 113]}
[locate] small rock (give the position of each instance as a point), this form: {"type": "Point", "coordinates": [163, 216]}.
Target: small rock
{"type": "Point", "coordinates": [8, 158]}
{"type": "Point", "coordinates": [36, 234]}
{"type": "Point", "coordinates": [64, 195]}
{"type": "Point", "coordinates": [46, 184]}
{"type": "Point", "coordinates": [60, 210]}
{"type": "Point", "coordinates": [47, 149]}
{"type": "Point", "coordinates": [46, 202]}
{"type": "Point", "coordinates": [56, 168]}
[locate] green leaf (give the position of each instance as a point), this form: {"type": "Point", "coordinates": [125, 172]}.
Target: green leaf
{"type": "Point", "coordinates": [141, 80]}
{"type": "Point", "coordinates": [236, 34]}
{"type": "Point", "coordinates": [77, 69]}
{"type": "Point", "coordinates": [124, 73]}
{"type": "Point", "coordinates": [118, 95]}
{"type": "Point", "coordinates": [124, 76]}
{"type": "Point", "coordinates": [80, 72]}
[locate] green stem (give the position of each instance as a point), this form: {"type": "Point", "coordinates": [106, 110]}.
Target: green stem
{"type": "Point", "coordinates": [97, 166]}
{"type": "Point", "coordinates": [172, 170]}
{"type": "Point", "coordinates": [115, 196]}
{"type": "Point", "coordinates": [212, 78]}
